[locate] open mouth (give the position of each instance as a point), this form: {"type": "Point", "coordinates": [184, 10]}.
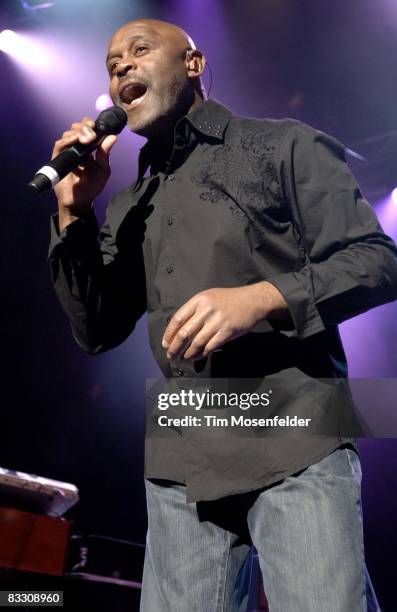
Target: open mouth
{"type": "Point", "coordinates": [132, 94]}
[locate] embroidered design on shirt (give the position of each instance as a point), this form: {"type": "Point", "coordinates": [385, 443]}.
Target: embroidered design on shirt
{"type": "Point", "coordinates": [245, 174]}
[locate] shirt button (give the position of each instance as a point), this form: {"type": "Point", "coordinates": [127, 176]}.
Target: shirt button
{"type": "Point", "coordinates": [180, 372]}
{"type": "Point", "coordinates": [170, 220]}
{"type": "Point", "coordinates": [170, 268]}
{"type": "Point", "coordinates": [170, 177]}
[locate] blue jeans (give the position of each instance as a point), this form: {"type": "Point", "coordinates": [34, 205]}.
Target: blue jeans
{"type": "Point", "coordinates": [307, 530]}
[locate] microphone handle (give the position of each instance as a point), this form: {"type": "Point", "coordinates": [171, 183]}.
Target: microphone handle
{"type": "Point", "coordinates": [49, 175]}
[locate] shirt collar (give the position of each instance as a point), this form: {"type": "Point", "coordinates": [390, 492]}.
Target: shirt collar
{"type": "Point", "coordinates": [209, 121]}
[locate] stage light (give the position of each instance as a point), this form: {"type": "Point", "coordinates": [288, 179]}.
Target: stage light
{"type": "Point", "coordinates": [103, 101]}
{"type": "Point", "coordinates": [7, 40]}
{"type": "Point", "coordinates": [24, 49]}
{"type": "Point", "coordinates": [394, 196]}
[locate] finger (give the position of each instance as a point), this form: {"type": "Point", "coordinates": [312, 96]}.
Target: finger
{"type": "Point", "coordinates": [88, 121]}
{"type": "Point", "coordinates": [84, 132]}
{"type": "Point", "coordinates": [218, 340]}
{"type": "Point", "coordinates": [82, 169]}
{"type": "Point", "coordinates": [103, 152]}
{"type": "Point", "coordinates": [180, 317]}
{"type": "Point", "coordinates": [198, 347]}
{"type": "Point", "coordinates": [69, 137]}
{"type": "Point", "coordinates": [184, 336]}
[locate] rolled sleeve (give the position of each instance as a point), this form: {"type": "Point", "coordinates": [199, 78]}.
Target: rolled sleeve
{"type": "Point", "coordinates": [350, 264]}
{"type": "Point", "coordinates": [301, 306]}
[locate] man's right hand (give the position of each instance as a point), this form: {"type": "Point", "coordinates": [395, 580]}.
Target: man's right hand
{"type": "Point", "coordinates": [77, 191]}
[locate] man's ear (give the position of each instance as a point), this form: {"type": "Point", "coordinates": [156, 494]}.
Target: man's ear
{"type": "Point", "coordinates": [195, 62]}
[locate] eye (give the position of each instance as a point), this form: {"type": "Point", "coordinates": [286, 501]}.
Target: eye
{"type": "Point", "coordinates": [139, 50]}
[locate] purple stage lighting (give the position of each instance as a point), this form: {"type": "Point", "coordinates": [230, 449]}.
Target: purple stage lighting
{"type": "Point", "coordinates": [103, 101]}
{"type": "Point", "coordinates": [7, 40]}
{"type": "Point", "coordinates": [24, 49]}
{"type": "Point", "coordinates": [35, 5]}
{"type": "Point", "coordinates": [394, 196]}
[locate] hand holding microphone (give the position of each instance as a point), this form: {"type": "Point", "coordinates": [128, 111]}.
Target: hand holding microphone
{"type": "Point", "coordinates": [76, 175]}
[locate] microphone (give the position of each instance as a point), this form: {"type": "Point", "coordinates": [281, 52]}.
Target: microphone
{"type": "Point", "coordinates": [110, 121]}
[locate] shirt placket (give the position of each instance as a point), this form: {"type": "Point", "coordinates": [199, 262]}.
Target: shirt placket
{"type": "Point", "coordinates": [168, 260]}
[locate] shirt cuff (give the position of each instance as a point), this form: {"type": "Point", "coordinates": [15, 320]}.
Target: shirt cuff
{"type": "Point", "coordinates": [75, 232]}
{"type": "Point", "coordinates": [303, 311]}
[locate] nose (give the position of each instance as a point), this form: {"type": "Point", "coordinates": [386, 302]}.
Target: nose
{"type": "Point", "coordinates": [123, 67]}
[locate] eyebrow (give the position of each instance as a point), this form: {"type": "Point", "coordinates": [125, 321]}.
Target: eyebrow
{"type": "Point", "coordinates": [132, 39]}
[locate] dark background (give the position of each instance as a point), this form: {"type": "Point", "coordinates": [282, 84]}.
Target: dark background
{"type": "Point", "coordinates": [73, 417]}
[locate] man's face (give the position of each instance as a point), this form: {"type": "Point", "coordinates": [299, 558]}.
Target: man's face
{"type": "Point", "coordinates": [148, 74]}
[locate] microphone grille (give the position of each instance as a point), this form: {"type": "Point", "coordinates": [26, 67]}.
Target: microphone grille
{"type": "Point", "coordinates": [111, 121]}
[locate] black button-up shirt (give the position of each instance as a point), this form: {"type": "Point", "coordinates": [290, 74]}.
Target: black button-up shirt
{"type": "Point", "coordinates": [239, 201]}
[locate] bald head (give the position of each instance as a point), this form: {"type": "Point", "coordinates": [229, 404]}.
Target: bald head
{"type": "Point", "coordinates": [155, 71]}
{"type": "Point", "coordinates": [169, 31]}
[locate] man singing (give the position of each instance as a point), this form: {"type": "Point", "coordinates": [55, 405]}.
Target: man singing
{"type": "Point", "coordinates": [247, 241]}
